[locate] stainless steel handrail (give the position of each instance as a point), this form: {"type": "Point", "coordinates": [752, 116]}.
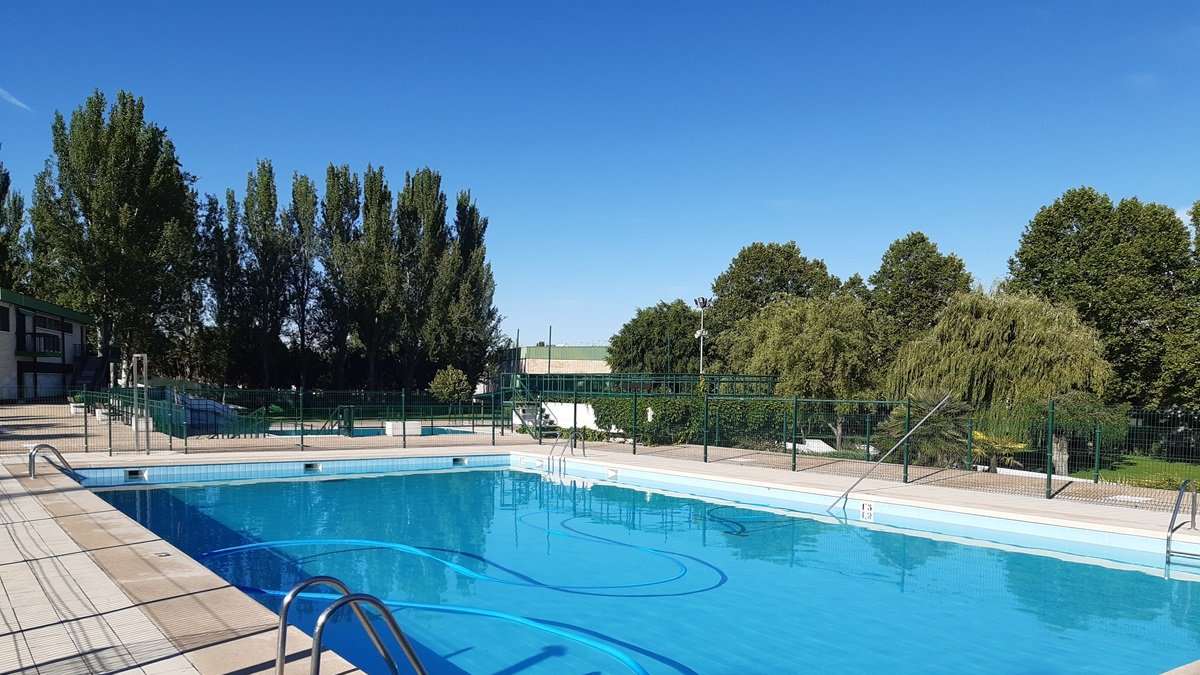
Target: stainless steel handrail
{"type": "Point", "coordinates": [845, 496]}
{"type": "Point", "coordinates": [33, 455]}
{"type": "Point", "coordinates": [285, 606]}
{"type": "Point", "coordinates": [1173, 528]}
{"type": "Point", "coordinates": [567, 441]}
{"type": "Point", "coordinates": [353, 600]}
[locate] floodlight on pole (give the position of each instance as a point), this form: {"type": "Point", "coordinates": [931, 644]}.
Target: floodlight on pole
{"type": "Point", "coordinates": [703, 304]}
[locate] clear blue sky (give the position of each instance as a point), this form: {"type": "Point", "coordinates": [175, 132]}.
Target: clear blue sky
{"type": "Point", "coordinates": [625, 151]}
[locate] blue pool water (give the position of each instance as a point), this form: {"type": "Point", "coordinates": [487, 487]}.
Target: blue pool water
{"type": "Point", "coordinates": [356, 432]}
{"type": "Point", "coordinates": [367, 431]}
{"type": "Point", "coordinates": [501, 571]}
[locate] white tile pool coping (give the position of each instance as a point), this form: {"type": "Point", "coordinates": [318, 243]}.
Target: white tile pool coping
{"type": "Point", "coordinates": [86, 589]}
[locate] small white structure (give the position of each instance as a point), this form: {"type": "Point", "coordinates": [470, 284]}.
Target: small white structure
{"type": "Point", "coordinates": [399, 428]}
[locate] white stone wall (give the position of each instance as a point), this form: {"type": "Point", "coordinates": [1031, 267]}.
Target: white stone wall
{"type": "Point", "coordinates": [8, 355]}
{"type": "Point", "coordinates": [562, 413]}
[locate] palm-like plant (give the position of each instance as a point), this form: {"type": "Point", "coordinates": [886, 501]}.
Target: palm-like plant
{"type": "Point", "coordinates": [942, 439]}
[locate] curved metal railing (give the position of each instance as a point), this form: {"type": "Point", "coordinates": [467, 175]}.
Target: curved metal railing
{"type": "Point", "coordinates": [285, 607]}
{"type": "Point", "coordinates": [1173, 528]}
{"type": "Point", "coordinates": [35, 450]}
{"type": "Point", "coordinates": [354, 600]}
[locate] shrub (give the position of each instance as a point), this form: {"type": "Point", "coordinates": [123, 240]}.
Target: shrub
{"type": "Point", "coordinates": [450, 385]}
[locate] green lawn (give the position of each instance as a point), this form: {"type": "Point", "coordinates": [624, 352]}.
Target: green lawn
{"type": "Point", "coordinates": [1152, 472]}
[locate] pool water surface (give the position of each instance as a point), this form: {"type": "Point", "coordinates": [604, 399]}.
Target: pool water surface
{"type": "Point", "coordinates": [502, 571]}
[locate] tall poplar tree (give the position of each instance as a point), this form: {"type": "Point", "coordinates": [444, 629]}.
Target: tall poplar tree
{"type": "Point", "coordinates": [422, 239]}
{"type": "Point", "coordinates": [108, 216]}
{"type": "Point", "coordinates": [370, 272]}
{"type": "Point", "coordinates": [340, 209]}
{"type": "Point", "coordinates": [304, 277]}
{"type": "Point", "coordinates": [12, 220]}
{"type": "Point", "coordinates": [269, 251]}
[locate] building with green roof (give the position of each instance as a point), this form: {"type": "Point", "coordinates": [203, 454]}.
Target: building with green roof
{"type": "Point", "coordinates": [42, 346]}
{"type": "Point", "coordinates": [583, 359]}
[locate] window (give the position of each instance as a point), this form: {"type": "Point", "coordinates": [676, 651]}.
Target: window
{"type": "Point", "coordinates": [49, 323]}
{"type": "Point", "coordinates": [4, 319]}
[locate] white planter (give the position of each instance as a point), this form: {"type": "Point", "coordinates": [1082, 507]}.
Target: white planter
{"type": "Point", "coordinates": [78, 409]}
{"type": "Point", "coordinates": [103, 413]}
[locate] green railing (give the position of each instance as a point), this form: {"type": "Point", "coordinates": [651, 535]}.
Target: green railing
{"type": "Point", "coordinates": [618, 384]}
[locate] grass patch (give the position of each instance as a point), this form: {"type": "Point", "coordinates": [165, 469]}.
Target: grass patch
{"type": "Point", "coordinates": [1146, 472]}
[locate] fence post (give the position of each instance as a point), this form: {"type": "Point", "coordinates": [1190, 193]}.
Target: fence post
{"type": "Point", "coordinates": [706, 424]}
{"type": "Point", "coordinates": [717, 427]}
{"type": "Point", "coordinates": [492, 410]}
{"type": "Point", "coordinates": [301, 419]}
{"type": "Point", "coordinates": [574, 416]}
{"type": "Point", "coordinates": [795, 423]}
{"type": "Point", "coordinates": [85, 419]}
{"type": "Point", "coordinates": [634, 417]}
{"type": "Point", "coordinates": [1050, 452]}
{"type": "Point", "coordinates": [868, 437]}
{"type": "Point", "coordinates": [404, 418]}
{"type": "Point", "coordinates": [907, 428]}
{"type": "Point", "coordinates": [1096, 466]}
{"type": "Point", "coordinates": [970, 444]}
{"type": "Point", "coordinates": [108, 413]}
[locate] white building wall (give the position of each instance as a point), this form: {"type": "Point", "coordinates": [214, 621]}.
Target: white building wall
{"type": "Point", "coordinates": [8, 355]}
{"type": "Point", "coordinates": [563, 414]}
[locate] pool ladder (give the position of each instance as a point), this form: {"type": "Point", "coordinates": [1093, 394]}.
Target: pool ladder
{"type": "Point", "coordinates": [355, 601]}
{"type": "Point", "coordinates": [1173, 528]}
{"type": "Point", "coordinates": [559, 451]}
{"type": "Point", "coordinates": [36, 448]}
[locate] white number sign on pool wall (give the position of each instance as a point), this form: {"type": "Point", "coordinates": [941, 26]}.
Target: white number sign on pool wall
{"type": "Point", "coordinates": [866, 511]}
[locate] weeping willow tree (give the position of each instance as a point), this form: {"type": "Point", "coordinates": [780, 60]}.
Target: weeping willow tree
{"type": "Point", "coordinates": [1006, 354]}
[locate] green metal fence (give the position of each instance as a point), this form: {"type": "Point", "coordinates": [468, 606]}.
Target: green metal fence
{"type": "Point", "coordinates": [1051, 450]}
{"type": "Point", "coordinates": [161, 419]}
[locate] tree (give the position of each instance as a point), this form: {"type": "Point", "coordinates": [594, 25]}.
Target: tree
{"type": "Point", "coordinates": [270, 251]}
{"type": "Point", "coordinates": [761, 274]}
{"type": "Point", "coordinates": [226, 328]}
{"type": "Point", "coordinates": [825, 348]}
{"type": "Point", "coordinates": [12, 220]}
{"type": "Point", "coordinates": [304, 278]}
{"type": "Point", "coordinates": [1125, 270]}
{"type": "Point", "coordinates": [340, 209]}
{"type": "Point", "coordinates": [429, 284]}
{"type": "Point", "coordinates": [658, 339]}
{"type": "Point", "coordinates": [913, 283]}
{"type": "Point", "coordinates": [1178, 384]}
{"type": "Point", "coordinates": [1006, 354]}
{"type": "Point", "coordinates": [107, 215]}
{"type": "Point", "coordinates": [450, 385]}
{"type": "Point", "coordinates": [856, 287]}
{"type": "Point", "coordinates": [370, 272]}
{"type": "Point", "coordinates": [1004, 348]}
{"type": "Point", "coordinates": [469, 330]}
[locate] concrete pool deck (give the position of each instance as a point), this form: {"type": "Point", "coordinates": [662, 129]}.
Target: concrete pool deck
{"type": "Point", "coordinates": [84, 589]}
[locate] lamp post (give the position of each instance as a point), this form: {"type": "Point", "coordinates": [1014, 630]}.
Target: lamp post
{"type": "Point", "coordinates": [703, 304]}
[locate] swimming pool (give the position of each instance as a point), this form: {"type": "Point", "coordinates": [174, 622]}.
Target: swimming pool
{"type": "Point", "coordinates": [368, 431]}
{"type": "Point", "coordinates": [506, 570]}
